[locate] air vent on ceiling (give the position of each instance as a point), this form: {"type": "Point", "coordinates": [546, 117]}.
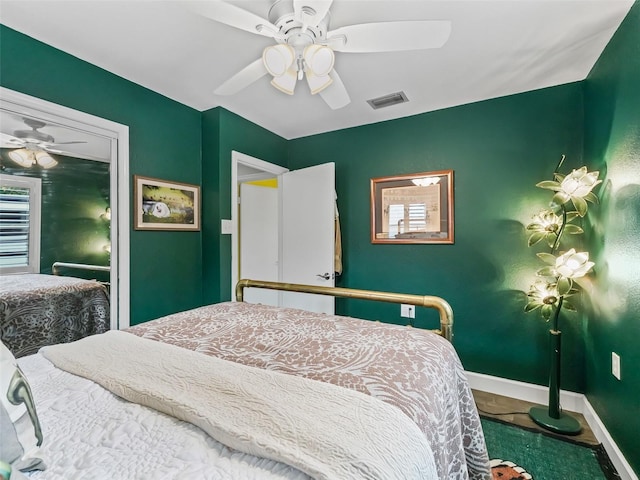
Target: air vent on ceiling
{"type": "Point", "coordinates": [388, 100]}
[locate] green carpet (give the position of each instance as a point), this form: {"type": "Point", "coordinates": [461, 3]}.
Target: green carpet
{"type": "Point", "coordinates": [544, 457]}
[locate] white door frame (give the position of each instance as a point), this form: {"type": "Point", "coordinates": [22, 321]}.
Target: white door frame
{"type": "Point", "coordinates": [119, 184]}
{"type": "Point", "coordinates": [238, 159]}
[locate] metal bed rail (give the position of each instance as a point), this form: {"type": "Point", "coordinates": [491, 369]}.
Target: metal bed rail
{"type": "Point", "coordinates": [79, 266]}
{"type": "Point", "coordinates": [55, 269]}
{"type": "Point", "coordinates": [428, 301]}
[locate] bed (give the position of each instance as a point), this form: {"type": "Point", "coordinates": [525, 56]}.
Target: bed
{"type": "Point", "coordinates": [38, 310]}
{"type": "Point", "coordinates": [239, 390]}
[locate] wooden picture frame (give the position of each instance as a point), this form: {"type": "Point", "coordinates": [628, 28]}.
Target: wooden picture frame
{"type": "Point", "coordinates": [413, 208]}
{"type": "Point", "coordinates": [164, 205]}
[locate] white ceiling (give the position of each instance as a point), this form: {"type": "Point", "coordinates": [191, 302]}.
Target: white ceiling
{"type": "Point", "coordinates": [496, 48]}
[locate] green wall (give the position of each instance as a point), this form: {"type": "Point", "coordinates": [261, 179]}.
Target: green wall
{"type": "Point", "coordinates": [612, 145]}
{"type": "Point", "coordinates": [224, 132]}
{"type": "Point", "coordinates": [75, 194]}
{"type": "Point", "coordinates": [498, 150]}
{"type": "Point", "coordinates": [165, 142]}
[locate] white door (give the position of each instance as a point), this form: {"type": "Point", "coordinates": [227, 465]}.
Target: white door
{"type": "Point", "coordinates": [307, 242]}
{"type": "Point", "coordinates": [258, 234]}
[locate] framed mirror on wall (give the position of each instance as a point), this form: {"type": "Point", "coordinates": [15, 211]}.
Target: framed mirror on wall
{"type": "Point", "coordinates": [54, 143]}
{"type": "Point", "coordinates": [412, 208]}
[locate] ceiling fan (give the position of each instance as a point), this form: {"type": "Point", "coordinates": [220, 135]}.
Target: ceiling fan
{"type": "Point", "coordinates": [32, 146]}
{"type": "Point", "coordinates": [305, 46]}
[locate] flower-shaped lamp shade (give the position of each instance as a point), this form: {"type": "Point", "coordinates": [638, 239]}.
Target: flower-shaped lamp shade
{"type": "Point", "coordinates": [579, 183]}
{"type": "Point", "coordinates": [576, 187]}
{"type": "Point", "coordinates": [547, 225]}
{"type": "Point", "coordinates": [573, 264]}
{"type": "Point", "coordinates": [543, 295]}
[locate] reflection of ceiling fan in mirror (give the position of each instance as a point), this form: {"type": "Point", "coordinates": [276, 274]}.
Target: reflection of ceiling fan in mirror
{"type": "Point", "coordinates": [33, 147]}
{"type": "Point", "coordinates": [305, 46]}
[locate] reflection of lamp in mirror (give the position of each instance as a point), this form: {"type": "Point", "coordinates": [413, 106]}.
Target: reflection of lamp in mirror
{"type": "Point", "coordinates": [425, 181]}
{"type": "Point", "coordinates": [106, 216]}
{"type": "Point", "coordinates": [27, 158]}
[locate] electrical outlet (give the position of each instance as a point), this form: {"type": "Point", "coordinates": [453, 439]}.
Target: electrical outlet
{"type": "Point", "coordinates": [615, 365]}
{"type": "Point", "coordinates": [407, 311]}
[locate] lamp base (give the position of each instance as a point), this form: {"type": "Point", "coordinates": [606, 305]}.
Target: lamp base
{"type": "Point", "coordinates": [566, 424]}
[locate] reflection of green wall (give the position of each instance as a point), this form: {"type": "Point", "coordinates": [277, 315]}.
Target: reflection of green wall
{"type": "Point", "coordinates": [164, 142]}
{"type": "Point", "coordinates": [74, 195]}
{"type": "Point", "coordinates": [499, 150]}
{"type": "Point", "coordinates": [612, 145]}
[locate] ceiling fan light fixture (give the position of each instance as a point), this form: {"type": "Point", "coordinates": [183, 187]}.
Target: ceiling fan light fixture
{"type": "Point", "coordinates": [278, 58]}
{"type": "Point", "coordinates": [286, 83]}
{"type": "Point", "coordinates": [22, 157]}
{"type": "Point", "coordinates": [45, 160]}
{"type": "Point", "coordinates": [318, 83]}
{"type": "Point", "coordinates": [319, 59]}
{"type": "Point", "coordinates": [27, 158]}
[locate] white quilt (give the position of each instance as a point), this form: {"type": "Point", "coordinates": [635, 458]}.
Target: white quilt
{"type": "Point", "coordinates": [322, 430]}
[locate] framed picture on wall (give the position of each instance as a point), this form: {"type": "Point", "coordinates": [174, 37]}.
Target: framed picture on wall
{"type": "Point", "coordinates": [163, 205]}
{"type": "Point", "coordinates": [415, 208]}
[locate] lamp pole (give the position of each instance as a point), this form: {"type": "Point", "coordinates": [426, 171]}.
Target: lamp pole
{"type": "Point", "coordinates": [552, 418]}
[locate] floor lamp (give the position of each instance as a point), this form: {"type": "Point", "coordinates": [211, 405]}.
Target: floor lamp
{"type": "Point", "coordinates": [549, 295]}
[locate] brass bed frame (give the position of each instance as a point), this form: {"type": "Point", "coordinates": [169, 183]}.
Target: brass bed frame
{"type": "Point", "coordinates": [428, 301]}
{"type": "Point", "coordinates": [55, 269]}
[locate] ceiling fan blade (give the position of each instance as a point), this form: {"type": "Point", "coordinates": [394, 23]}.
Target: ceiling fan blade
{"type": "Point", "coordinates": [9, 141]}
{"type": "Point", "coordinates": [390, 36]}
{"type": "Point", "coordinates": [231, 15]}
{"type": "Point", "coordinates": [335, 94]}
{"type": "Point", "coordinates": [85, 156]}
{"type": "Point", "coordinates": [311, 12]}
{"type": "Point", "coordinates": [65, 143]}
{"type": "Point", "coordinates": [243, 78]}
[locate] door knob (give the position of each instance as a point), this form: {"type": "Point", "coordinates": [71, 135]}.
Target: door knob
{"type": "Point", "coordinates": [326, 276]}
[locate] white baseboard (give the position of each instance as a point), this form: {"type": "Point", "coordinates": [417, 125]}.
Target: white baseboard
{"type": "Point", "coordinates": [570, 401]}
{"type": "Point", "coordinates": [601, 433]}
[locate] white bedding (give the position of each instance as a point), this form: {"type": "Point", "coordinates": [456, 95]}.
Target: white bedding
{"type": "Point", "coordinates": [353, 435]}
{"type": "Point", "coordinates": [329, 432]}
{"type": "Point", "coordinates": [140, 443]}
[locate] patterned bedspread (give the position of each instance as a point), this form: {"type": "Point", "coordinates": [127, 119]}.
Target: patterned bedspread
{"type": "Point", "coordinates": [38, 310]}
{"type": "Point", "coordinates": [415, 370]}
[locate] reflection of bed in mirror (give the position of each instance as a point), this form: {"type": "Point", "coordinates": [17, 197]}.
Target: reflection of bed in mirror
{"type": "Point", "coordinates": [38, 310]}
{"type": "Point", "coordinates": [79, 210]}
{"type": "Point", "coordinates": [255, 391]}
